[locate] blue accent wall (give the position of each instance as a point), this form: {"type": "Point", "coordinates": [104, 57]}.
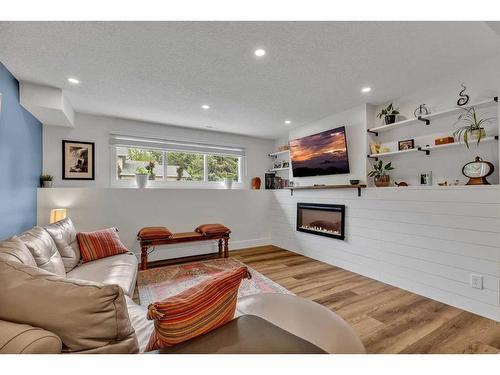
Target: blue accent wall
{"type": "Point", "coordinates": [20, 160]}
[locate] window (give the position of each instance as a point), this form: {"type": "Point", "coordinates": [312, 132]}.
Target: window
{"type": "Point", "coordinates": [175, 162]}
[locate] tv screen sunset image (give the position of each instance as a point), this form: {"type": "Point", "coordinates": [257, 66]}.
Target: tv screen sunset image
{"type": "Point", "coordinates": [320, 154]}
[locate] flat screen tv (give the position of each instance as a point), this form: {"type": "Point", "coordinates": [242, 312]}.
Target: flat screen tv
{"type": "Point", "coordinates": [320, 154]}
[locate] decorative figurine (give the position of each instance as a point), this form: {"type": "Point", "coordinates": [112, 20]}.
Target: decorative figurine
{"type": "Point", "coordinates": [464, 98]}
{"type": "Point", "coordinates": [402, 183]}
{"type": "Point", "coordinates": [421, 111]}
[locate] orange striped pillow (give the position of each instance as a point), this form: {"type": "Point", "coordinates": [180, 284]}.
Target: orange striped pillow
{"type": "Point", "coordinates": [100, 244]}
{"type": "Point", "coordinates": [197, 310]}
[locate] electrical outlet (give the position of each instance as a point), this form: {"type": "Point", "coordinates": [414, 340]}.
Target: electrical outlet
{"type": "Point", "coordinates": [476, 281]}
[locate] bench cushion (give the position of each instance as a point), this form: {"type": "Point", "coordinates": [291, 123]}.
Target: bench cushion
{"type": "Point", "coordinates": [154, 233]}
{"type": "Point", "coordinates": [119, 269]}
{"type": "Point", "coordinates": [212, 229]}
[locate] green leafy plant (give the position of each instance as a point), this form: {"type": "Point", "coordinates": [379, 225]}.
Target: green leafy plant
{"type": "Point", "coordinates": [46, 177]}
{"type": "Point", "coordinates": [379, 169]}
{"type": "Point", "coordinates": [388, 111]}
{"type": "Point", "coordinates": [141, 170]}
{"type": "Point", "coordinates": [474, 126]}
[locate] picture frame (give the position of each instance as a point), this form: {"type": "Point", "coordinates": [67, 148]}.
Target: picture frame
{"type": "Point", "coordinates": [425, 178]}
{"type": "Point", "coordinates": [78, 160]}
{"type": "Point", "coordinates": [406, 144]}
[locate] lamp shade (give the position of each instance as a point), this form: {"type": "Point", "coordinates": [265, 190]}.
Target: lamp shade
{"type": "Point", "coordinates": [57, 214]}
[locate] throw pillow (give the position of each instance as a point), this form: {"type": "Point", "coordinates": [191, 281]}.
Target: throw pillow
{"type": "Point", "coordinates": [63, 233]}
{"type": "Point", "coordinates": [197, 310]}
{"type": "Point", "coordinates": [100, 244]}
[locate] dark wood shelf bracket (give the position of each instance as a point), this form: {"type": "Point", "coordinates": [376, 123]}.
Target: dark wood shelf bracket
{"type": "Point", "coordinates": [426, 120]}
{"type": "Point", "coordinates": [372, 157]}
{"type": "Point", "coordinates": [427, 152]}
{"type": "Point", "coordinates": [371, 131]}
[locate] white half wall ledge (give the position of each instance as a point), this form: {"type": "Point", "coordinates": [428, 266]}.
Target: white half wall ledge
{"type": "Point", "coordinates": [48, 104]}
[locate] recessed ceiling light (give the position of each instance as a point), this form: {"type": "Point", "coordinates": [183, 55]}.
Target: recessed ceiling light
{"type": "Point", "coordinates": [260, 52]}
{"type": "Point", "coordinates": [288, 122]}
{"type": "Point", "coordinates": [366, 89]}
{"type": "Point", "coordinates": [73, 81]}
{"type": "Point", "coordinates": [205, 106]}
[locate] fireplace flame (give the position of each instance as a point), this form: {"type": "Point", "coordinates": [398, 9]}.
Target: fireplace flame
{"type": "Point", "coordinates": [320, 229]}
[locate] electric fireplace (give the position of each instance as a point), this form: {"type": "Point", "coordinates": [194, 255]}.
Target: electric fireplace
{"type": "Point", "coordinates": [321, 219]}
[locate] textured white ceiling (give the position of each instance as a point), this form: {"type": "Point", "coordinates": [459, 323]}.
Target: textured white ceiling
{"type": "Point", "coordinates": [164, 71]}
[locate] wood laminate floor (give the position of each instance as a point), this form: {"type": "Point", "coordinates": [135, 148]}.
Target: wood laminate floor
{"type": "Point", "coordinates": [388, 319]}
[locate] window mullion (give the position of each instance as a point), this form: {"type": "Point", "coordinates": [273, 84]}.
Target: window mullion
{"type": "Point", "coordinates": [205, 167]}
{"type": "Point", "coordinates": [165, 166]}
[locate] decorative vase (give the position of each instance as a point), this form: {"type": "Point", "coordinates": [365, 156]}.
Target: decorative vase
{"type": "Point", "coordinates": [390, 119]}
{"type": "Point", "coordinates": [47, 184]}
{"type": "Point", "coordinates": [382, 181]}
{"type": "Point", "coordinates": [256, 183]}
{"type": "Point", "coordinates": [228, 183]}
{"type": "Point", "coordinates": [141, 180]}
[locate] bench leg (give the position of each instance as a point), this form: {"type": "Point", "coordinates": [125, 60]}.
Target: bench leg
{"type": "Point", "coordinates": [226, 247]}
{"type": "Point", "coordinates": [144, 257]}
{"type": "Point", "coordinates": [220, 248]}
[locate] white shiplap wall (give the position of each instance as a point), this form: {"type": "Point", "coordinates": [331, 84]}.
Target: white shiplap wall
{"type": "Point", "coordinates": [427, 240]}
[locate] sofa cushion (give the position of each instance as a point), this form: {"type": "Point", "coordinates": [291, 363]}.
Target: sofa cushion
{"type": "Point", "coordinates": [44, 250]}
{"type": "Point", "coordinates": [63, 233]}
{"type": "Point", "coordinates": [85, 315]}
{"type": "Point", "coordinates": [15, 250]}
{"type": "Point", "coordinates": [25, 339]}
{"type": "Point", "coordinates": [196, 310]}
{"type": "Point", "coordinates": [142, 326]}
{"type": "Point", "coordinates": [100, 244]}
{"type": "Point", "coordinates": [119, 269]}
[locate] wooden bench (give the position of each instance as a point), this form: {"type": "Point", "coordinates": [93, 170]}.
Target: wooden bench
{"type": "Point", "coordinates": [176, 238]}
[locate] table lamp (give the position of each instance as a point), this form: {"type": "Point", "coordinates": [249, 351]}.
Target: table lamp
{"type": "Point", "coordinates": [57, 214]}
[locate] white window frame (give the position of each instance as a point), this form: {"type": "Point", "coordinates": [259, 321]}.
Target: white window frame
{"type": "Point", "coordinates": [166, 146]}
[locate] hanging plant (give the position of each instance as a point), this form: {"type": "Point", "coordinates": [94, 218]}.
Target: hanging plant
{"type": "Point", "coordinates": [474, 129]}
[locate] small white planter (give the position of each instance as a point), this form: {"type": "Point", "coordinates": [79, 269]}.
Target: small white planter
{"type": "Point", "coordinates": [141, 180]}
{"type": "Point", "coordinates": [228, 183]}
{"type": "Point", "coordinates": [47, 184]}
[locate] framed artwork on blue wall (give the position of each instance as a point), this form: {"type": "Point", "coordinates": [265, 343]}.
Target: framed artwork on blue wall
{"type": "Point", "coordinates": [78, 162]}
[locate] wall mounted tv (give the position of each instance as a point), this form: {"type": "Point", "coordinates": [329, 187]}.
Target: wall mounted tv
{"type": "Point", "coordinates": [320, 154]}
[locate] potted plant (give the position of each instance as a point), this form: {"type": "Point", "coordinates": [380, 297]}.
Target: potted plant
{"type": "Point", "coordinates": [228, 180]}
{"type": "Point", "coordinates": [150, 168]}
{"type": "Point", "coordinates": [389, 114]}
{"type": "Point", "coordinates": [141, 177]}
{"type": "Point", "coordinates": [47, 180]}
{"type": "Point", "coordinates": [379, 174]}
{"type": "Point", "coordinates": [473, 130]}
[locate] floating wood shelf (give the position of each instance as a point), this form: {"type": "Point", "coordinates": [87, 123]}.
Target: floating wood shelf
{"type": "Point", "coordinates": [428, 118]}
{"type": "Point", "coordinates": [278, 169]}
{"type": "Point", "coordinates": [319, 187]}
{"type": "Point", "coordinates": [277, 153]}
{"type": "Point", "coordinates": [428, 149]}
